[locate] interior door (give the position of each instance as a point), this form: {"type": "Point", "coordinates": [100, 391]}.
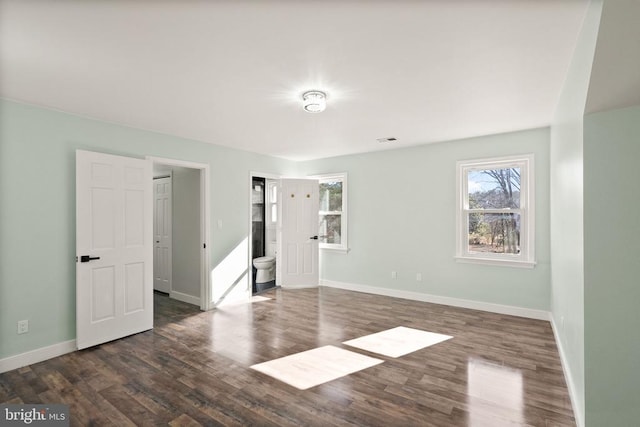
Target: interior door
{"type": "Point", "coordinates": [162, 233]}
{"type": "Point", "coordinates": [299, 233]}
{"type": "Point", "coordinates": [114, 286]}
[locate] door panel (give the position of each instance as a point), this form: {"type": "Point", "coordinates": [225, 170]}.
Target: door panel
{"type": "Point", "coordinates": [162, 271]}
{"type": "Point", "coordinates": [300, 200]}
{"type": "Point", "coordinates": [104, 293]}
{"type": "Point", "coordinates": [134, 287]}
{"type": "Point", "coordinates": [114, 294]}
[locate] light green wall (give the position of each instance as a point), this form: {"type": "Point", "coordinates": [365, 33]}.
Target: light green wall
{"type": "Point", "coordinates": [612, 267]}
{"type": "Point", "coordinates": [37, 210]}
{"type": "Point", "coordinates": [567, 231]}
{"type": "Point", "coordinates": [186, 231]}
{"type": "Point", "coordinates": [402, 214]}
{"type": "Point", "coordinates": [401, 224]}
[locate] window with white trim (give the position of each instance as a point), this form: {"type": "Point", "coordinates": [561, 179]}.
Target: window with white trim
{"type": "Point", "coordinates": [333, 211]}
{"type": "Point", "coordinates": [272, 202]}
{"type": "Point", "coordinates": [496, 211]}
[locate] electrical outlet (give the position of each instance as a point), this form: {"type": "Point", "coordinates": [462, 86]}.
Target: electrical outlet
{"type": "Point", "coordinates": [394, 275]}
{"type": "Point", "coordinates": [419, 277]}
{"type": "Point", "coordinates": [23, 326]}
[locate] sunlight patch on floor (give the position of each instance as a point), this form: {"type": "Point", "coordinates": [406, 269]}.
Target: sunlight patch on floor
{"type": "Point", "coordinates": [314, 367]}
{"type": "Point", "coordinates": [397, 342]}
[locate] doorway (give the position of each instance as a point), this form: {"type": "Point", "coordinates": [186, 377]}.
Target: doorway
{"type": "Point", "coordinates": [189, 239]}
{"type": "Point", "coordinates": [263, 232]}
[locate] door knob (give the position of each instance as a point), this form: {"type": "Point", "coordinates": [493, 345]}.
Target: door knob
{"type": "Point", "coordinates": [87, 258]}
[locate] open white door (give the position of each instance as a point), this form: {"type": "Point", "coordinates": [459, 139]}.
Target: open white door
{"type": "Point", "coordinates": [162, 234]}
{"type": "Point", "coordinates": [299, 233]}
{"type": "Point", "coordinates": [114, 244]}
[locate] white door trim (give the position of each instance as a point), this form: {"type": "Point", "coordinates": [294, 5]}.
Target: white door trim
{"type": "Point", "coordinates": [205, 208]}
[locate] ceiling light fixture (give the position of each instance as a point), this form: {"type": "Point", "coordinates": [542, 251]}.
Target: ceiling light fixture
{"type": "Point", "coordinates": [314, 101]}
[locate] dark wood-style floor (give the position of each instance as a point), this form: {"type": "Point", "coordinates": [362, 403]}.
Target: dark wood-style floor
{"type": "Point", "coordinates": [193, 368]}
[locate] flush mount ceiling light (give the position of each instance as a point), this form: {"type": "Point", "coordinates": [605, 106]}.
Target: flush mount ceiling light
{"type": "Point", "coordinates": [314, 101]}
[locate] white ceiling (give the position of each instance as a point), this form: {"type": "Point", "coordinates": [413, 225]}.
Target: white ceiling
{"type": "Point", "coordinates": [232, 72]}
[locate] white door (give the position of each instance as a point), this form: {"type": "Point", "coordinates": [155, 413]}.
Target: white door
{"type": "Point", "coordinates": [299, 233]}
{"type": "Point", "coordinates": [162, 234]}
{"type": "Point", "coordinates": [114, 284]}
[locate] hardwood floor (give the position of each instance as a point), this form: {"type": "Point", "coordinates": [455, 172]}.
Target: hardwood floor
{"type": "Point", "coordinates": [193, 368]}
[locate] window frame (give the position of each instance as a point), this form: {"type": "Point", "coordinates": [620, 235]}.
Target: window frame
{"type": "Point", "coordinates": [526, 257]}
{"type": "Point", "coordinates": [270, 203]}
{"type": "Point", "coordinates": [343, 246]}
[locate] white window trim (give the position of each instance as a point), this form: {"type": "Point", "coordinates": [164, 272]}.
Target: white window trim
{"type": "Point", "coordinates": [526, 258]}
{"type": "Point", "coordinates": [269, 202]}
{"type": "Point", "coordinates": [343, 246]}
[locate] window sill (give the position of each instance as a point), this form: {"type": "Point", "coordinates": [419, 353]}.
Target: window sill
{"type": "Point", "coordinates": [493, 261]}
{"type": "Point", "coordinates": [339, 250]}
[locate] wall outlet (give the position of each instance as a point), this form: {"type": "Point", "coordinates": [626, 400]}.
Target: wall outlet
{"type": "Point", "coordinates": [419, 277]}
{"type": "Point", "coordinates": [23, 326]}
{"type": "Point", "coordinates": [394, 275]}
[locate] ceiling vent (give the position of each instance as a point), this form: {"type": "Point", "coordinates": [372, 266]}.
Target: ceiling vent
{"type": "Point", "coordinates": [390, 139]}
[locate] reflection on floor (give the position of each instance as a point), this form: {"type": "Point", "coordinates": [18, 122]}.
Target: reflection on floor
{"type": "Point", "coordinates": [492, 386]}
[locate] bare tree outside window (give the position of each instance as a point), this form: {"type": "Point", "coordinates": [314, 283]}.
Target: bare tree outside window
{"type": "Point", "coordinates": [493, 193]}
{"type": "Point", "coordinates": [330, 226]}
{"type": "Point", "coordinates": [496, 211]}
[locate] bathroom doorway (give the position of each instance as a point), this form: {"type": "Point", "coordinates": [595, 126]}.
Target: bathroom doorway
{"type": "Point", "coordinates": [263, 231]}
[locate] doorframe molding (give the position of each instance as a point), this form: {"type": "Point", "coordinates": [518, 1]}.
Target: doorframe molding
{"type": "Point", "coordinates": [205, 223]}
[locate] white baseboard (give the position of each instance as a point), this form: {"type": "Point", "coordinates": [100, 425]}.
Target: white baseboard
{"type": "Point", "coordinates": [455, 302]}
{"type": "Point", "coordinates": [37, 355]}
{"type": "Point", "coordinates": [185, 298]}
{"type": "Point", "coordinates": [300, 286]}
{"type": "Point", "coordinates": [579, 416]}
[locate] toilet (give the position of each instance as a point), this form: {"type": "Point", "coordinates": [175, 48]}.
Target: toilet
{"type": "Point", "coordinates": [265, 269]}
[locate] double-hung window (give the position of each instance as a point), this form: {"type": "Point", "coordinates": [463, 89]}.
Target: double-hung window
{"type": "Point", "coordinates": [496, 211]}
{"type": "Point", "coordinates": [333, 211]}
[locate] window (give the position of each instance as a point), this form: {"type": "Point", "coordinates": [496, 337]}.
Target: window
{"type": "Point", "coordinates": [272, 202]}
{"type": "Point", "coordinates": [333, 211]}
{"type": "Point", "coordinates": [495, 211]}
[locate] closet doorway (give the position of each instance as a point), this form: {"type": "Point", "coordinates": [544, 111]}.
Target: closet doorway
{"type": "Point", "coordinates": [181, 231]}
